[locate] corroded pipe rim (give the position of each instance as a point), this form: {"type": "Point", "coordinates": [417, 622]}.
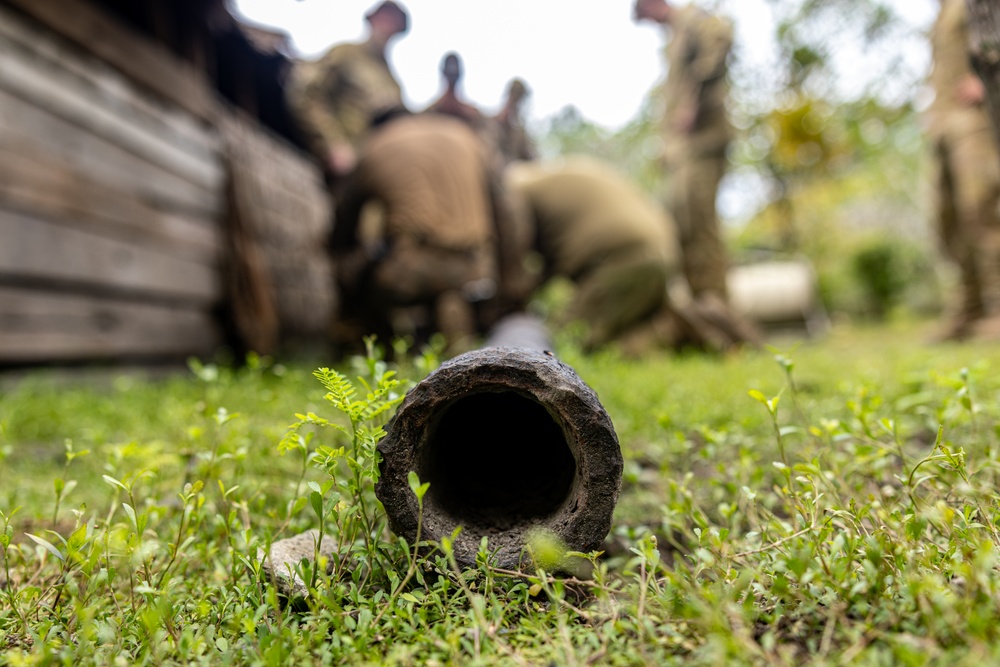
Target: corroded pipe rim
{"type": "Point", "coordinates": [582, 520]}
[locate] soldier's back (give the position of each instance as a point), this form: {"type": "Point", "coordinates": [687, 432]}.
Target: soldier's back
{"type": "Point", "coordinates": [586, 211]}
{"type": "Point", "coordinates": [430, 172]}
{"type": "Point", "coordinates": [338, 95]}
{"type": "Point", "coordinates": [948, 113]}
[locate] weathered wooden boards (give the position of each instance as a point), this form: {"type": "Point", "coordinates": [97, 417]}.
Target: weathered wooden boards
{"type": "Point", "coordinates": [136, 206]}
{"type": "Point", "coordinates": [111, 194]}
{"type": "Point", "coordinates": [278, 220]}
{"type": "Point", "coordinates": [51, 326]}
{"type": "Point", "coordinates": [140, 60]}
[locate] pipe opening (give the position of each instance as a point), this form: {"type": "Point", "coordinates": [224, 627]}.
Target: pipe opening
{"type": "Point", "coordinates": [495, 461]}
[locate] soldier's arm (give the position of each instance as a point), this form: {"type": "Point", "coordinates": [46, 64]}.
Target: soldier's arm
{"type": "Point", "coordinates": [714, 39]}
{"type": "Point", "coordinates": [508, 253]}
{"type": "Point", "coordinates": [320, 88]}
{"type": "Point", "coordinates": [350, 259]}
{"type": "Point", "coordinates": [344, 237]}
{"type": "Point", "coordinates": [711, 40]}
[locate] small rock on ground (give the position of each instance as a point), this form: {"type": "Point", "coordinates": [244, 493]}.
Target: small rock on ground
{"type": "Point", "coordinates": [286, 554]}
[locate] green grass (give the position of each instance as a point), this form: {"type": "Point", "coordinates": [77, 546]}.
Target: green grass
{"type": "Point", "coordinates": [831, 502]}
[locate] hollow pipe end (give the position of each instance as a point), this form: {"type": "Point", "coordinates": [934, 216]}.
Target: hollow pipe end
{"type": "Point", "coordinates": [511, 441]}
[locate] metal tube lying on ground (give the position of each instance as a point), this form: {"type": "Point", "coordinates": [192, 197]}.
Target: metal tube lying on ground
{"type": "Point", "coordinates": [512, 441]}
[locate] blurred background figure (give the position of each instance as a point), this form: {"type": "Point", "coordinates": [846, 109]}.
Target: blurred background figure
{"type": "Point", "coordinates": [594, 228]}
{"type": "Point", "coordinates": [512, 138]}
{"type": "Point", "coordinates": [425, 260]}
{"type": "Point", "coordinates": [337, 97]}
{"type": "Point", "coordinates": [620, 249]}
{"type": "Point", "coordinates": [696, 133]}
{"type": "Point", "coordinates": [968, 177]}
{"type": "Point", "coordinates": [450, 102]}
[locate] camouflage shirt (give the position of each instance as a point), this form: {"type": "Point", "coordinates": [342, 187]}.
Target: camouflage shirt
{"type": "Point", "coordinates": [950, 47]}
{"type": "Point", "coordinates": [696, 58]}
{"type": "Point", "coordinates": [430, 174]}
{"type": "Point", "coordinates": [586, 212]}
{"type": "Point", "coordinates": [337, 96]}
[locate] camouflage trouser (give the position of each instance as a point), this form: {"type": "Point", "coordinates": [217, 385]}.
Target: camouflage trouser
{"type": "Point", "coordinates": [969, 220]}
{"type": "Point", "coordinates": [691, 191]}
{"type": "Point", "coordinates": [416, 289]}
{"type": "Point", "coordinates": [618, 293]}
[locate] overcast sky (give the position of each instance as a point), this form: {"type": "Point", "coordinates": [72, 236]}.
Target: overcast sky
{"type": "Point", "coordinates": [595, 57]}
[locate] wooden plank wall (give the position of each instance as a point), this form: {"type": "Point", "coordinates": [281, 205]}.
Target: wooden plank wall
{"type": "Point", "coordinates": [280, 215]}
{"type": "Point", "coordinates": [111, 205]}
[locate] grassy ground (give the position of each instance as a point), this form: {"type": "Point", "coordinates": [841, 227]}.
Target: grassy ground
{"type": "Point", "coordinates": [826, 503]}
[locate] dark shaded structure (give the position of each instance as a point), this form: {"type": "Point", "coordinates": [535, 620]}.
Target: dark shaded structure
{"type": "Point", "coordinates": [154, 201]}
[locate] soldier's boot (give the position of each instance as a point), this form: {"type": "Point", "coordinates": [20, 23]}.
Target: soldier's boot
{"type": "Point", "coordinates": [734, 328]}
{"type": "Point", "coordinates": [957, 328]}
{"type": "Point", "coordinates": [988, 262]}
{"type": "Point", "coordinates": [689, 328]}
{"type": "Point", "coordinates": [961, 323]}
{"type": "Point", "coordinates": [664, 330]}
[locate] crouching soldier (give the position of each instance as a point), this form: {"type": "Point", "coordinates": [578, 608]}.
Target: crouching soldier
{"type": "Point", "coordinates": [620, 249]}
{"type": "Point", "coordinates": [413, 241]}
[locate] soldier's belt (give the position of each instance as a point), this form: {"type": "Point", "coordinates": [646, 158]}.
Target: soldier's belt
{"type": "Point", "coordinates": [424, 241]}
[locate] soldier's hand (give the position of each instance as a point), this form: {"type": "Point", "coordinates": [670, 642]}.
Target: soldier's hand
{"type": "Point", "coordinates": [970, 90]}
{"type": "Point", "coordinates": [340, 159]}
{"type": "Point", "coordinates": [685, 117]}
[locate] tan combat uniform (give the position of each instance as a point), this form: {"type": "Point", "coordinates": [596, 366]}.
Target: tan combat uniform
{"type": "Point", "coordinates": [695, 159]}
{"type": "Point", "coordinates": [512, 138]}
{"type": "Point", "coordinates": [968, 173]}
{"type": "Point", "coordinates": [449, 105]}
{"type": "Point", "coordinates": [337, 97]}
{"type": "Point", "coordinates": [427, 175]}
{"type": "Point", "coordinates": [599, 230]}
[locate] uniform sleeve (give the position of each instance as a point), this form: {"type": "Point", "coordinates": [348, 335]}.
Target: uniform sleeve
{"type": "Point", "coordinates": [346, 219]}
{"type": "Point", "coordinates": [316, 88]}
{"type": "Point", "coordinates": [713, 39]}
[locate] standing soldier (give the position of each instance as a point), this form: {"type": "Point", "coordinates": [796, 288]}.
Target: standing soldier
{"type": "Point", "coordinates": [968, 173]}
{"type": "Point", "coordinates": [450, 103]}
{"type": "Point", "coordinates": [337, 97]}
{"type": "Point", "coordinates": [512, 139]}
{"type": "Point", "coordinates": [695, 133]}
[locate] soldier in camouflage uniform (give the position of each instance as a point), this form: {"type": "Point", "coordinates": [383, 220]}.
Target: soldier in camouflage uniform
{"type": "Point", "coordinates": [968, 173]}
{"type": "Point", "coordinates": [695, 133]}
{"type": "Point", "coordinates": [432, 258]}
{"type": "Point", "coordinates": [596, 228]}
{"type": "Point", "coordinates": [450, 103]}
{"type": "Point", "coordinates": [512, 139]}
{"type": "Point", "coordinates": [620, 249]}
{"type": "Point", "coordinates": [337, 97]}
{"type": "Point", "coordinates": [512, 234]}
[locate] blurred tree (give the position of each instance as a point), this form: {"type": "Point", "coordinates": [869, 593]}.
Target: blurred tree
{"type": "Point", "coordinates": [801, 126]}
{"type": "Point", "coordinates": [634, 148]}
{"type": "Point", "coordinates": [829, 143]}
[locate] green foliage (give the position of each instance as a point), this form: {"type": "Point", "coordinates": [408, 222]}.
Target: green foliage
{"type": "Point", "coordinates": [819, 166]}
{"type": "Point", "coordinates": [634, 149]}
{"type": "Point", "coordinates": [830, 504]}
{"type": "Point", "coordinates": [345, 504]}
{"type": "Point", "coordinates": [882, 270]}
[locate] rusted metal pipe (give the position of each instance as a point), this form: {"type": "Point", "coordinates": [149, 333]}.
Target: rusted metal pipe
{"type": "Point", "coordinates": [511, 441]}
